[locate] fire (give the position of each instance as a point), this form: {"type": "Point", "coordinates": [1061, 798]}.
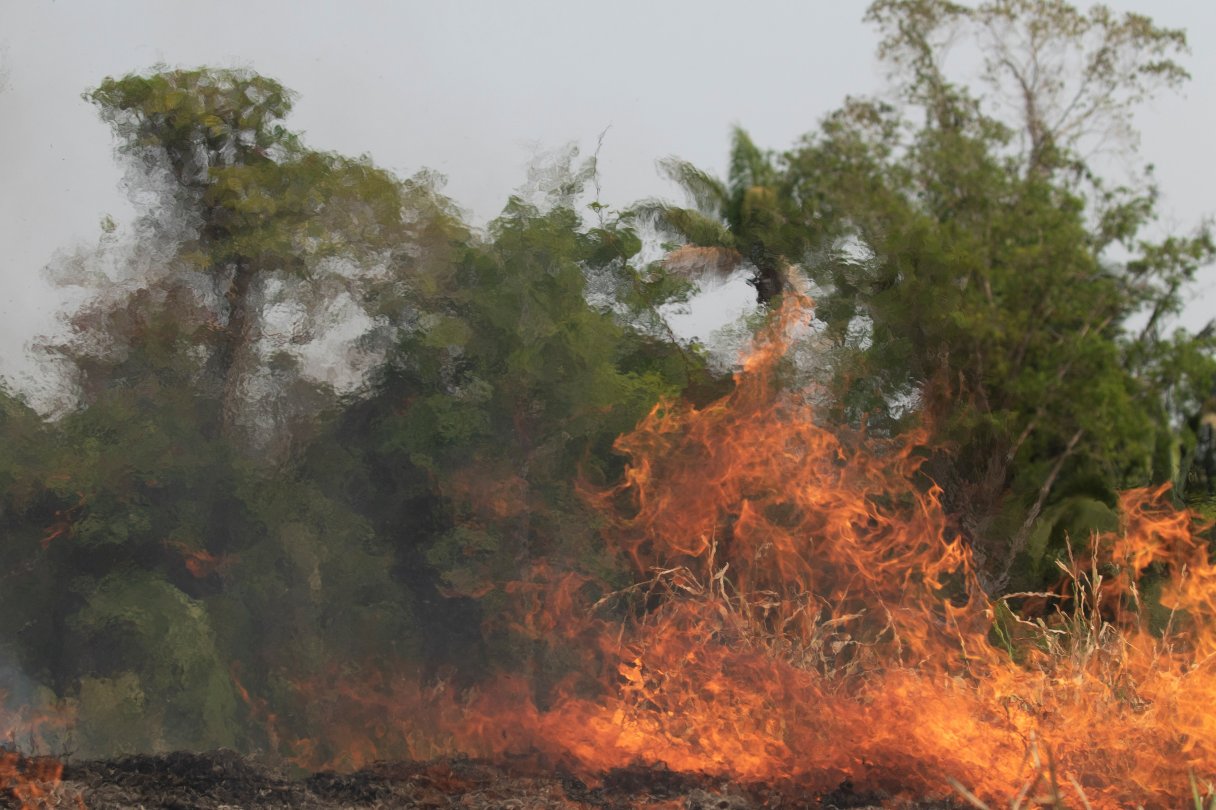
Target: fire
{"type": "Point", "coordinates": [30, 781]}
{"type": "Point", "coordinates": [805, 614]}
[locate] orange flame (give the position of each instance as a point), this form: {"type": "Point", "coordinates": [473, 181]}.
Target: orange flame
{"type": "Point", "coordinates": [805, 614]}
{"type": "Point", "coordinates": [30, 781]}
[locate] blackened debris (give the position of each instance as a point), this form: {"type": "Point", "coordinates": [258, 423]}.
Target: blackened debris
{"type": "Point", "coordinates": [226, 780]}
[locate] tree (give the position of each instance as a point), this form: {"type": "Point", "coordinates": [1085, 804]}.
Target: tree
{"type": "Point", "coordinates": [969, 283]}
{"type": "Point", "coordinates": [262, 207]}
{"type": "Point", "coordinates": [156, 550]}
{"type": "Point", "coordinates": [743, 219]}
{"type": "Point", "coordinates": [509, 388]}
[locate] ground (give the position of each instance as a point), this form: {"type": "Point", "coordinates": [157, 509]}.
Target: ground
{"type": "Point", "coordinates": [225, 780]}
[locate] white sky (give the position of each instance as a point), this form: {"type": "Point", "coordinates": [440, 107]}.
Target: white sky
{"type": "Point", "coordinates": [473, 88]}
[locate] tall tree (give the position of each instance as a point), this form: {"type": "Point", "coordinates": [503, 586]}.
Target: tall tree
{"type": "Point", "coordinates": [262, 207]}
{"type": "Point", "coordinates": [157, 550]}
{"type": "Point", "coordinates": [972, 283]}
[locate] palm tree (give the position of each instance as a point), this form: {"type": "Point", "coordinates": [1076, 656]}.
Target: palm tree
{"type": "Point", "coordinates": [745, 219]}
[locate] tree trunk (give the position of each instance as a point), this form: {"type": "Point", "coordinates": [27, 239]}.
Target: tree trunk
{"type": "Point", "coordinates": [234, 339]}
{"type": "Point", "coordinates": [769, 281]}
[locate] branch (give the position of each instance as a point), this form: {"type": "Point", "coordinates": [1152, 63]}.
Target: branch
{"type": "Point", "coordinates": [1023, 535]}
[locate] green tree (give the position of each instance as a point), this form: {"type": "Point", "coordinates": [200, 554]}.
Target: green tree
{"type": "Point", "coordinates": [263, 208]}
{"type": "Point", "coordinates": [1067, 80]}
{"type": "Point", "coordinates": [169, 553]}
{"type": "Point", "coordinates": [966, 262]}
{"type": "Point", "coordinates": [158, 550]}
{"type": "Point", "coordinates": [742, 220]}
{"type": "Point", "coordinates": [508, 388]}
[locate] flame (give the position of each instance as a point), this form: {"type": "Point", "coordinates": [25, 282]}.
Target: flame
{"type": "Point", "coordinates": [805, 614]}
{"type": "Point", "coordinates": [30, 781]}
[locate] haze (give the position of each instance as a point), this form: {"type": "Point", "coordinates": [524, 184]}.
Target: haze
{"type": "Point", "coordinates": [474, 90]}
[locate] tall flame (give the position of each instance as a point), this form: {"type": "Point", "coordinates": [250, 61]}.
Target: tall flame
{"type": "Point", "coordinates": [805, 614]}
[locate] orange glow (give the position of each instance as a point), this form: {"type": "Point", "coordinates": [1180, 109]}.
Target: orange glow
{"type": "Point", "coordinates": [29, 781]}
{"type": "Point", "coordinates": [805, 614]}
{"type": "Point", "coordinates": [200, 562]}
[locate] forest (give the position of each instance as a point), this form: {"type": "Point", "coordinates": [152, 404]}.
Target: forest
{"type": "Point", "coordinates": [216, 540]}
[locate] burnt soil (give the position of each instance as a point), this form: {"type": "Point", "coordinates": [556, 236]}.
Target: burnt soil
{"type": "Point", "coordinates": [225, 780]}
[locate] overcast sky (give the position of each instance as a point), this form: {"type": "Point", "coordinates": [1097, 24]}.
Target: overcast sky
{"type": "Point", "coordinates": [473, 89]}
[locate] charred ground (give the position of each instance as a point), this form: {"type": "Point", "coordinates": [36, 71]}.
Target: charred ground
{"type": "Point", "coordinates": [225, 780]}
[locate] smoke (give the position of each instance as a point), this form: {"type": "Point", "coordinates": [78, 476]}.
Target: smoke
{"type": "Point", "coordinates": [32, 720]}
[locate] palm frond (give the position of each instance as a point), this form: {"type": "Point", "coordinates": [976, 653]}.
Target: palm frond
{"type": "Point", "coordinates": [707, 193]}
{"type": "Point", "coordinates": [686, 224]}
{"type": "Point", "coordinates": [749, 165]}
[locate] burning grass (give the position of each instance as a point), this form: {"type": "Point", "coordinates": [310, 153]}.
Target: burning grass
{"type": "Point", "coordinates": [31, 781]}
{"type": "Point", "coordinates": [805, 615]}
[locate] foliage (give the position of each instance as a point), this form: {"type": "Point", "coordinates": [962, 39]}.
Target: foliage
{"type": "Point", "coordinates": [510, 386]}
{"type": "Point", "coordinates": [969, 261]}
{"type": "Point", "coordinates": [179, 587]}
{"type": "Point", "coordinates": [744, 219]}
{"type": "Point", "coordinates": [972, 285]}
{"type": "Point", "coordinates": [266, 212]}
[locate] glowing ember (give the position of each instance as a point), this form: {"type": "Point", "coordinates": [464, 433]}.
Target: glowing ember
{"type": "Point", "coordinates": [29, 782]}
{"type": "Point", "coordinates": [805, 614]}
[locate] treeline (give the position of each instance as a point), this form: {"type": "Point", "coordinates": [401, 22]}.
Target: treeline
{"type": "Point", "coordinates": [209, 524]}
